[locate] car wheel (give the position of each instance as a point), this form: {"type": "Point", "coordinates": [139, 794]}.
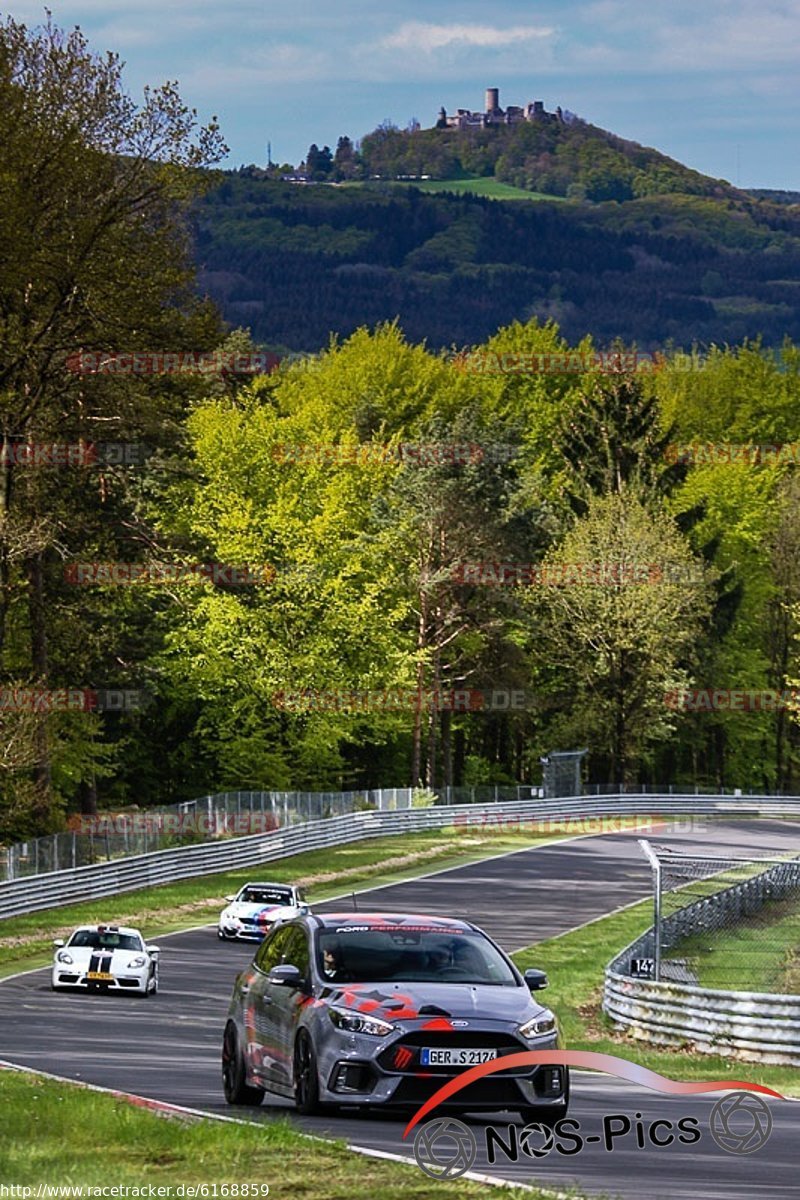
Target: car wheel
{"type": "Point", "coordinates": [234, 1076]}
{"type": "Point", "coordinates": [306, 1078]}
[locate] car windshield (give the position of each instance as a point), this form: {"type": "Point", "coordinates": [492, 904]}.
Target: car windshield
{"type": "Point", "coordinates": [265, 895]}
{"type": "Point", "coordinates": [369, 954]}
{"type": "Point", "coordinates": [93, 939]}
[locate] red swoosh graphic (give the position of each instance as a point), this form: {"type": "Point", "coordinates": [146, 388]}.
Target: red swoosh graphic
{"type": "Point", "coordinates": [609, 1063]}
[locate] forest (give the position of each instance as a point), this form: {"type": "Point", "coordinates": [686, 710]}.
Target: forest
{"type": "Point", "coordinates": [377, 564]}
{"type": "Point", "coordinates": [295, 263]}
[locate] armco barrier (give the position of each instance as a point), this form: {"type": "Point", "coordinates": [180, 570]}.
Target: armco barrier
{"type": "Point", "coordinates": [754, 1026]}
{"type": "Point", "coordinates": [586, 813]}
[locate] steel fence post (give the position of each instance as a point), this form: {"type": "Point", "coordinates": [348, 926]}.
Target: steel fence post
{"type": "Point", "coordinates": [652, 858]}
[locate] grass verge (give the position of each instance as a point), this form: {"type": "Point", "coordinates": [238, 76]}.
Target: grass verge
{"type": "Point", "coordinates": [26, 941]}
{"type": "Point", "coordinates": [575, 963]}
{"type": "Point", "coordinates": [760, 954]}
{"type": "Point", "coordinates": [60, 1134]}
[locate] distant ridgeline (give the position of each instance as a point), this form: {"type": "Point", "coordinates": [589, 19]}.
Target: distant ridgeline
{"type": "Point", "coordinates": [526, 146]}
{"type": "Point", "coordinates": [294, 264]}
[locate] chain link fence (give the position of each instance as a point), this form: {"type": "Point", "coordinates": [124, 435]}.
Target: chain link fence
{"type": "Point", "coordinates": [722, 922]}
{"type": "Point", "coordinates": [112, 835]}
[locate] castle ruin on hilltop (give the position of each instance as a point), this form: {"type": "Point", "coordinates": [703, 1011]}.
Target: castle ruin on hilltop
{"type": "Point", "coordinates": [464, 118]}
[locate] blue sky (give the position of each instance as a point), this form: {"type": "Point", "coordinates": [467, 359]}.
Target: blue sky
{"type": "Point", "coordinates": [712, 83]}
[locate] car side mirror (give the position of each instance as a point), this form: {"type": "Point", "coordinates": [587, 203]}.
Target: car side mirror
{"type": "Point", "coordinates": [304, 909]}
{"type": "Point", "coordinates": [153, 950]}
{"type": "Point", "coordinates": [286, 975]}
{"type": "Point", "coordinates": [58, 943]}
{"type": "Point", "coordinates": [536, 980]}
{"type": "Point", "coordinates": [230, 899]}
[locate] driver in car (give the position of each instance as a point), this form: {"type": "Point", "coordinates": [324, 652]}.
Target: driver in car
{"type": "Point", "coordinates": [333, 966]}
{"type": "Point", "coordinates": [439, 958]}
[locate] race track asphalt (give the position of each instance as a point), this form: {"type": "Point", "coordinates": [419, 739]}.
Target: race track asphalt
{"type": "Point", "coordinates": [167, 1047]}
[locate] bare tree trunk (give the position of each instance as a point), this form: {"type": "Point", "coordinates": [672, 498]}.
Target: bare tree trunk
{"type": "Point", "coordinates": [88, 797]}
{"type": "Point", "coordinates": [42, 773]}
{"type": "Point", "coordinates": [416, 755]}
{"type": "Point", "coordinates": [447, 748]}
{"type": "Point", "coordinates": [619, 763]}
{"type": "Point", "coordinates": [433, 723]}
{"type": "Point", "coordinates": [6, 480]}
{"type": "Point", "coordinates": [459, 758]}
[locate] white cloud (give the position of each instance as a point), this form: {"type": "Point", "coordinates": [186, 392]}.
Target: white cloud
{"type": "Point", "coordinates": [420, 35]}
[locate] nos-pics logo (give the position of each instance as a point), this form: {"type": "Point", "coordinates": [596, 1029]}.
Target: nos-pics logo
{"type": "Point", "coordinates": [444, 1148]}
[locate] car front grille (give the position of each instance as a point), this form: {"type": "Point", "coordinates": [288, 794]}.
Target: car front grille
{"type": "Point", "coordinates": [403, 1056]}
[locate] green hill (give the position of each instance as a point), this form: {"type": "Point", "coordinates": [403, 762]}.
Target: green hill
{"type": "Point", "coordinates": [553, 155]}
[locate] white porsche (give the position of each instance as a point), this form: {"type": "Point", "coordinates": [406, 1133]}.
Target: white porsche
{"type": "Point", "coordinates": [106, 958]}
{"type": "Point", "coordinates": [256, 907]}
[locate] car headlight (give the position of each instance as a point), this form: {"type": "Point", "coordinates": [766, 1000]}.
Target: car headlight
{"type": "Point", "coordinates": [139, 961]}
{"type": "Point", "coordinates": [539, 1026]}
{"type": "Point", "coordinates": [63, 957]}
{"type": "Point", "coordinates": [355, 1022]}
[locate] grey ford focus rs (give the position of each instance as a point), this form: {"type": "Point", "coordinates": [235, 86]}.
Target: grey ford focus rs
{"type": "Point", "coordinates": [359, 1010]}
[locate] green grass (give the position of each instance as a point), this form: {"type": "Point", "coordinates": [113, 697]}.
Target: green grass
{"type": "Point", "coordinates": [26, 941]}
{"type": "Point", "coordinates": [575, 963]}
{"type": "Point", "coordinates": [61, 1134]}
{"type": "Point", "coordinates": [760, 954]}
{"type": "Point", "coordinates": [483, 186]}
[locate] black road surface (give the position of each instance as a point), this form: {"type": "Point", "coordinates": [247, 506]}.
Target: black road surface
{"type": "Point", "coordinates": [168, 1047]}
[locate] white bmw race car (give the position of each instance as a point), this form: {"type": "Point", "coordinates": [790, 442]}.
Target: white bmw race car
{"type": "Point", "coordinates": [256, 907]}
{"type": "Point", "coordinates": [106, 958]}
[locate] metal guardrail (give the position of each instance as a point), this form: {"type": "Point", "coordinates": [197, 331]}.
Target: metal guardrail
{"type": "Point", "coordinates": [584, 814]}
{"type": "Point", "coordinates": [107, 835]}
{"type": "Point", "coordinates": [754, 1026]}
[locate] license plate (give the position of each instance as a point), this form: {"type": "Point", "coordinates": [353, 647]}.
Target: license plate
{"type": "Point", "coordinates": [104, 975]}
{"type": "Point", "coordinates": [450, 1057]}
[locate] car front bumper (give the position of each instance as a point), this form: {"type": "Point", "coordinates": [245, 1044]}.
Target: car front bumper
{"type": "Point", "coordinates": [353, 1071]}
{"type": "Point", "coordinates": [245, 933]}
{"type": "Point", "coordinates": [66, 976]}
